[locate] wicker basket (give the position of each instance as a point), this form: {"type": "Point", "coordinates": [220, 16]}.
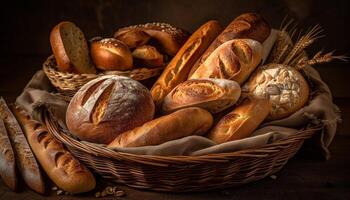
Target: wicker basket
{"type": "Point", "coordinates": [184, 173]}
{"type": "Point", "coordinates": [68, 83]}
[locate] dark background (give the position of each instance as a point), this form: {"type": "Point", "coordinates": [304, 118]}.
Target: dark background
{"type": "Point", "coordinates": [24, 45]}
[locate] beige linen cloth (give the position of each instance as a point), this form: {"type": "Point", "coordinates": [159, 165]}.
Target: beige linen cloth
{"type": "Point", "coordinates": [38, 95]}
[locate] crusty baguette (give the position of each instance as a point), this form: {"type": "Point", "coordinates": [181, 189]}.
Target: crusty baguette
{"type": "Point", "coordinates": [211, 94]}
{"type": "Point", "coordinates": [59, 164]}
{"type": "Point", "coordinates": [234, 60]}
{"type": "Point", "coordinates": [182, 123]}
{"type": "Point", "coordinates": [7, 159]}
{"type": "Point", "coordinates": [177, 70]}
{"type": "Point", "coordinates": [25, 159]}
{"type": "Point", "coordinates": [70, 49]}
{"type": "Point", "coordinates": [246, 26]}
{"type": "Point", "coordinates": [242, 121]}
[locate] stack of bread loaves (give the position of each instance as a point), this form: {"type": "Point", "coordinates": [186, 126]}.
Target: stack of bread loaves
{"type": "Point", "coordinates": [203, 78]}
{"type": "Point", "coordinates": [147, 45]}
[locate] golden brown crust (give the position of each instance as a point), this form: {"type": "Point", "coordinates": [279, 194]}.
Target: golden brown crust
{"type": "Point", "coordinates": [246, 26]}
{"type": "Point", "coordinates": [182, 123]}
{"type": "Point", "coordinates": [169, 37]}
{"type": "Point", "coordinates": [241, 122]}
{"type": "Point", "coordinates": [133, 38]}
{"type": "Point", "coordinates": [70, 49]}
{"type": "Point", "coordinates": [111, 54]}
{"type": "Point", "coordinates": [26, 162]}
{"type": "Point", "coordinates": [107, 106]}
{"type": "Point", "coordinates": [59, 164]}
{"type": "Point", "coordinates": [148, 56]}
{"type": "Point", "coordinates": [7, 159]}
{"type": "Point", "coordinates": [177, 70]}
{"type": "Point", "coordinates": [213, 95]}
{"type": "Point", "coordinates": [234, 60]}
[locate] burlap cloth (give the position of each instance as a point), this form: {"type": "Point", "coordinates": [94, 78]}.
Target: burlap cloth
{"type": "Point", "coordinates": [320, 110]}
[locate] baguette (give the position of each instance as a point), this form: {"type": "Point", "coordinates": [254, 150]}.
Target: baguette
{"type": "Point", "coordinates": [234, 60]}
{"type": "Point", "coordinates": [182, 123]}
{"type": "Point", "coordinates": [26, 162]}
{"type": "Point", "coordinates": [211, 94]}
{"type": "Point", "coordinates": [177, 70]}
{"type": "Point", "coordinates": [246, 26]}
{"type": "Point", "coordinates": [242, 121]}
{"type": "Point", "coordinates": [59, 164]}
{"type": "Point", "coordinates": [7, 159]}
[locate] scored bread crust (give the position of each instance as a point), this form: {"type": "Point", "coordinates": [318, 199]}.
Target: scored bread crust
{"type": "Point", "coordinates": [234, 60]}
{"type": "Point", "coordinates": [108, 106]}
{"type": "Point", "coordinates": [59, 164]}
{"type": "Point", "coordinates": [283, 85]}
{"type": "Point", "coordinates": [169, 37]}
{"type": "Point", "coordinates": [213, 95]}
{"type": "Point", "coordinates": [241, 122]}
{"type": "Point", "coordinates": [246, 26]}
{"type": "Point", "coordinates": [182, 123]}
{"type": "Point", "coordinates": [177, 70]}
{"type": "Point", "coordinates": [70, 49]}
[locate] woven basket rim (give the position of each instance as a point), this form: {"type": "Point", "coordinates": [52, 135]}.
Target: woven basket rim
{"type": "Point", "coordinates": [262, 151]}
{"type": "Point", "coordinates": [46, 65]}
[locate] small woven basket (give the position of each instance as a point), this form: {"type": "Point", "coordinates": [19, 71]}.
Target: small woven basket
{"type": "Point", "coordinates": [69, 83]}
{"type": "Point", "coordinates": [184, 173]}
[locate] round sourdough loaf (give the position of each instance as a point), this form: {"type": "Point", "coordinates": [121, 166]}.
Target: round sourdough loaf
{"type": "Point", "coordinates": [211, 94]}
{"type": "Point", "coordinates": [283, 85]}
{"type": "Point", "coordinates": [107, 106]}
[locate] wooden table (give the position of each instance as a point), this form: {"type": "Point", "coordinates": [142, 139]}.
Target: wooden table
{"type": "Point", "coordinates": [306, 176]}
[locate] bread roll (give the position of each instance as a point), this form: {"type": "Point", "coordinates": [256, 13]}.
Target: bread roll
{"type": "Point", "coordinates": [246, 26]}
{"type": "Point", "coordinates": [111, 54]}
{"type": "Point", "coordinates": [168, 37]}
{"type": "Point", "coordinates": [133, 38]}
{"type": "Point", "coordinates": [182, 123]}
{"type": "Point", "coordinates": [148, 56]}
{"type": "Point", "coordinates": [241, 122]}
{"type": "Point", "coordinates": [177, 70]}
{"type": "Point", "coordinates": [70, 49]}
{"type": "Point", "coordinates": [213, 95]}
{"type": "Point", "coordinates": [26, 163]}
{"type": "Point", "coordinates": [283, 85]}
{"type": "Point", "coordinates": [7, 159]}
{"type": "Point", "coordinates": [107, 106]}
{"type": "Point", "coordinates": [234, 60]}
{"type": "Point", "coordinates": [59, 164]}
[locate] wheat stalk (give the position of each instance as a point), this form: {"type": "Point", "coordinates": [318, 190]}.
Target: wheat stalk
{"type": "Point", "coordinates": [303, 42]}
{"type": "Point", "coordinates": [318, 59]}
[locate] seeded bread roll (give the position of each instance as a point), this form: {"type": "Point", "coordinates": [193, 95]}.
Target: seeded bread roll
{"type": "Point", "coordinates": [283, 85]}
{"type": "Point", "coordinates": [7, 159]}
{"type": "Point", "coordinates": [111, 54]}
{"type": "Point", "coordinates": [213, 95]}
{"type": "Point", "coordinates": [182, 123]}
{"type": "Point", "coordinates": [148, 56]}
{"type": "Point", "coordinates": [133, 38]}
{"type": "Point", "coordinates": [241, 122]}
{"type": "Point", "coordinates": [234, 60]}
{"type": "Point", "coordinates": [177, 70]}
{"type": "Point", "coordinates": [26, 162]}
{"type": "Point", "coordinates": [59, 164]}
{"type": "Point", "coordinates": [170, 38]}
{"type": "Point", "coordinates": [246, 26]}
{"type": "Point", "coordinates": [107, 106]}
{"type": "Point", "coordinates": [70, 49]}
